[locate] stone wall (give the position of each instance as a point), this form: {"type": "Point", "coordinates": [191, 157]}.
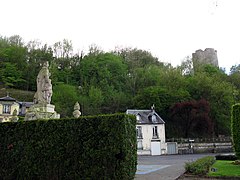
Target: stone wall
{"type": "Point", "coordinates": [189, 148]}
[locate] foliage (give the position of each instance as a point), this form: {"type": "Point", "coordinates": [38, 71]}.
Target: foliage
{"type": "Point", "coordinates": [64, 98]}
{"type": "Point", "coordinates": [109, 82]}
{"type": "Point", "coordinates": [192, 118]}
{"type": "Point", "coordinates": [19, 95]}
{"type": "Point", "coordinates": [219, 94]}
{"type": "Point", "coordinates": [225, 169]}
{"type": "Point", "coordinates": [103, 70]}
{"type": "Point", "coordinates": [200, 166]}
{"type": "Point", "coordinates": [136, 58]}
{"type": "Point", "coordinates": [97, 147]}
{"type": "Point", "coordinates": [10, 75]}
{"type": "Point", "coordinates": [235, 127]}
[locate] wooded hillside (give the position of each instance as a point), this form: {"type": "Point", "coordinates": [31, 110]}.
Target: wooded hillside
{"type": "Point", "coordinates": [193, 104]}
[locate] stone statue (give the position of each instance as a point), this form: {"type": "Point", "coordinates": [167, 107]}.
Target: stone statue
{"type": "Point", "coordinates": [42, 107]}
{"type": "Point", "coordinates": [76, 112]}
{"type": "Point", "coordinates": [44, 86]}
{"type": "Point", "coordinates": [15, 117]}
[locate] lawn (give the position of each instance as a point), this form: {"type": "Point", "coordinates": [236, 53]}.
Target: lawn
{"type": "Point", "coordinates": [225, 168]}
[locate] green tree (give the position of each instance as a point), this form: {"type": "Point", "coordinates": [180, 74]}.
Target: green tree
{"type": "Point", "coordinates": [136, 58]}
{"type": "Point", "coordinates": [37, 55]}
{"type": "Point", "coordinates": [64, 97]}
{"type": "Point", "coordinates": [218, 93]}
{"type": "Point", "coordinates": [102, 71]}
{"type": "Point", "coordinates": [234, 79]}
{"type": "Point", "coordinates": [94, 101]}
{"type": "Point", "coordinates": [10, 75]}
{"type": "Point", "coordinates": [161, 97]}
{"type": "Point", "coordinates": [186, 66]}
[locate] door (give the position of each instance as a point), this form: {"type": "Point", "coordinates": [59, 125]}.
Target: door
{"type": "Point", "coordinates": [155, 148]}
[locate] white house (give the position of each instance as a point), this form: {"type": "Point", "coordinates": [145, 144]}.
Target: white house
{"type": "Point", "coordinates": [9, 108]}
{"type": "Point", "coordinates": [150, 132]}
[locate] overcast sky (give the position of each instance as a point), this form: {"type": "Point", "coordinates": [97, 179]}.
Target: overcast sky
{"type": "Point", "coordinates": [169, 29]}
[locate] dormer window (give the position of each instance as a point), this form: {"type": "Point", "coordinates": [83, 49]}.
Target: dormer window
{"type": "Point", "coordinates": [138, 117]}
{"type": "Point", "coordinates": [154, 118]}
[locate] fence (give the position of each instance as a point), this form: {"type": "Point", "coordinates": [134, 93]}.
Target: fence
{"type": "Point", "coordinates": [200, 140]}
{"type": "Point", "coordinates": [204, 145]}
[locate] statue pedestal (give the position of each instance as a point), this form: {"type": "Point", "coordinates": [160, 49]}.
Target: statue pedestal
{"type": "Point", "coordinates": [41, 111]}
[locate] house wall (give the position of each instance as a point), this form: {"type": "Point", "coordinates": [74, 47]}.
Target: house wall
{"type": "Point", "coordinates": [147, 133]}
{"type": "Point", "coordinates": [6, 117]}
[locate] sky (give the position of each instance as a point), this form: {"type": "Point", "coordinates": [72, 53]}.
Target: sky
{"type": "Point", "coordinates": [170, 29]}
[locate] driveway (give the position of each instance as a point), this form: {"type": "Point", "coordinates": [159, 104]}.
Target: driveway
{"type": "Point", "coordinates": [166, 167]}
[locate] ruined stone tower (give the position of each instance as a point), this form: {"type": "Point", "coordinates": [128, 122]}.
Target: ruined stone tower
{"type": "Point", "coordinates": [208, 56]}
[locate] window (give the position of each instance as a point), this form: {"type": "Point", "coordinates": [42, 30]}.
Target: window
{"type": "Point", "coordinates": [139, 132]}
{"type": "Point", "coordinates": [154, 118]}
{"type": "Point", "coordinates": [139, 144]}
{"type": "Point", "coordinates": [155, 132]}
{"type": "Point", "coordinates": [6, 109]}
{"type": "Point", "coordinates": [138, 117]}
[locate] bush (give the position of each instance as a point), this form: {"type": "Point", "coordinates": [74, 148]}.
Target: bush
{"type": "Point", "coordinates": [97, 147]}
{"type": "Point", "coordinates": [200, 166]}
{"type": "Point", "coordinates": [235, 127]}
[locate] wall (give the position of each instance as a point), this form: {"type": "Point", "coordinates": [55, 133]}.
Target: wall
{"type": "Point", "coordinates": [208, 56]}
{"type": "Point", "coordinates": [147, 133]}
{"type": "Point", "coordinates": [6, 117]}
{"type": "Point", "coordinates": [189, 148]}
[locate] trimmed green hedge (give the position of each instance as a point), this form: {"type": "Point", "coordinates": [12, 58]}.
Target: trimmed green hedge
{"type": "Point", "coordinates": [235, 127]}
{"type": "Point", "coordinates": [200, 166]}
{"type": "Point", "coordinates": [97, 147]}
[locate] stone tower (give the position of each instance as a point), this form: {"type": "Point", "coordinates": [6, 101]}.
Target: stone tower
{"type": "Point", "coordinates": [208, 56]}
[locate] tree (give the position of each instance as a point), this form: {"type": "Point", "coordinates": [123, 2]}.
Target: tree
{"type": "Point", "coordinates": [107, 73]}
{"type": "Point", "coordinates": [141, 78]}
{"type": "Point", "coordinates": [219, 94]}
{"type": "Point", "coordinates": [192, 118]}
{"type": "Point", "coordinates": [102, 71]}
{"type": "Point", "coordinates": [37, 55]}
{"type": "Point", "coordinates": [187, 66]}
{"type": "Point", "coordinates": [234, 79]}
{"type": "Point", "coordinates": [64, 97]}
{"type": "Point", "coordinates": [10, 75]}
{"type": "Point", "coordinates": [94, 101]}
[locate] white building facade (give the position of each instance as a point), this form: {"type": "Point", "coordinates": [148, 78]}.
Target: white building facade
{"type": "Point", "coordinates": [150, 132]}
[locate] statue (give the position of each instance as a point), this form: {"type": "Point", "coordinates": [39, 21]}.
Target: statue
{"type": "Point", "coordinates": [42, 107]}
{"type": "Point", "coordinates": [15, 117]}
{"type": "Point", "coordinates": [44, 86]}
{"type": "Point", "coordinates": [76, 112]}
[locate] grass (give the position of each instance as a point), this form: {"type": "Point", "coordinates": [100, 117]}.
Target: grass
{"type": "Point", "coordinates": [225, 168]}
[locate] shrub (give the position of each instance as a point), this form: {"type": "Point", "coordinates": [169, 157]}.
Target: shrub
{"type": "Point", "coordinates": [200, 166]}
{"type": "Point", "coordinates": [235, 127]}
{"type": "Point", "coordinates": [97, 147]}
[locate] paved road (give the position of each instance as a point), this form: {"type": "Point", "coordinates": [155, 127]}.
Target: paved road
{"type": "Point", "coordinates": [167, 167]}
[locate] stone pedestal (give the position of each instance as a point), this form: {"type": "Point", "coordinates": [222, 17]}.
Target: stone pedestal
{"type": "Point", "coordinates": [41, 111]}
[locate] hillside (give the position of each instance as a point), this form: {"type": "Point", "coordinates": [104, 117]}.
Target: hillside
{"type": "Point", "coordinates": [17, 94]}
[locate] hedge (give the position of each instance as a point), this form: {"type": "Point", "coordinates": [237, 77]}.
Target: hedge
{"type": "Point", "coordinates": [200, 166]}
{"type": "Point", "coordinates": [97, 147]}
{"type": "Point", "coordinates": [235, 127]}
